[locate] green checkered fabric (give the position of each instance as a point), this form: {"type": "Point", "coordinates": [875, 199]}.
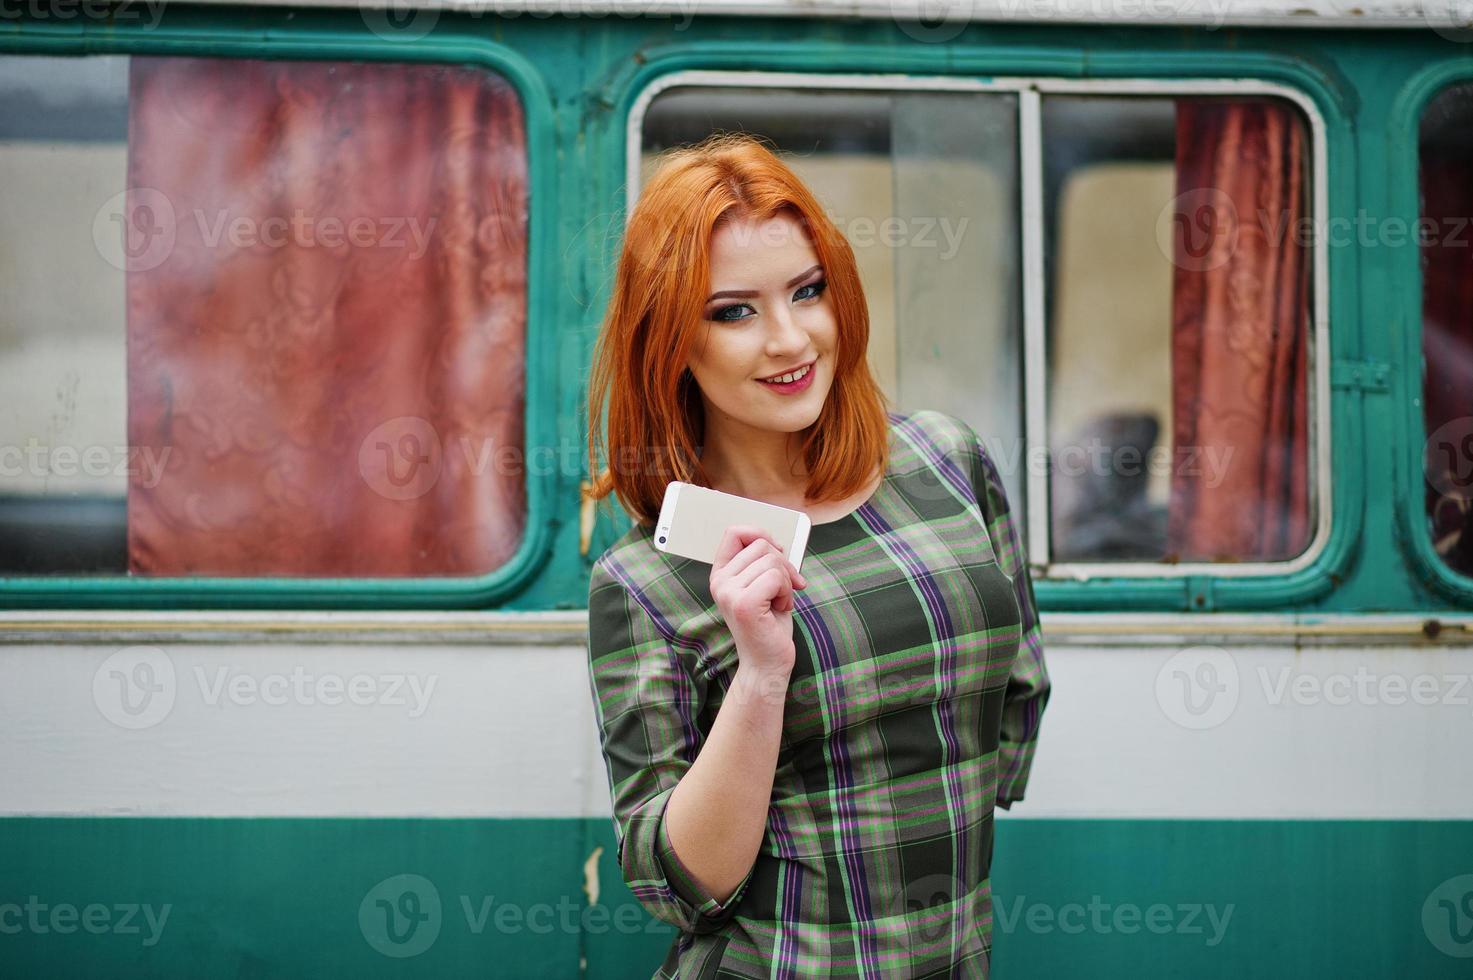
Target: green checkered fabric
{"type": "Point", "coordinates": [912, 710]}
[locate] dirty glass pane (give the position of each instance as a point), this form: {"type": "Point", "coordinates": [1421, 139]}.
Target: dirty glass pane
{"type": "Point", "coordinates": [925, 187]}
{"type": "Point", "coordinates": [1446, 246]}
{"type": "Point", "coordinates": [1178, 292]}
{"type": "Point", "coordinates": [254, 326]}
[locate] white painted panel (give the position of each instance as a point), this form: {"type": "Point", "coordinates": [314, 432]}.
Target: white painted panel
{"type": "Point", "coordinates": [1329, 732]}
{"type": "Point", "coordinates": [444, 731]}
{"type": "Point", "coordinates": [502, 731]}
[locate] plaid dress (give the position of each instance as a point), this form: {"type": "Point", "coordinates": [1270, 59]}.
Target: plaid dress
{"type": "Point", "coordinates": [912, 709]}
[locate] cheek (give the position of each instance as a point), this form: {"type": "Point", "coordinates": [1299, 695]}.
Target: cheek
{"type": "Point", "coordinates": [724, 354]}
{"type": "Point", "coordinates": [822, 325]}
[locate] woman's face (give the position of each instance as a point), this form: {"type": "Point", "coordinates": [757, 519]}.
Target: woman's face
{"type": "Point", "coordinates": [768, 313]}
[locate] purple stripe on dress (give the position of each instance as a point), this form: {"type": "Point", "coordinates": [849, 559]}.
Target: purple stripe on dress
{"type": "Point", "coordinates": [946, 647]}
{"type": "Point", "coordinates": [828, 661]}
{"type": "Point", "coordinates": [703, 653]}
{"type": "Point", "coordinates": [941, 462]}
{"type": "Point", "coordinates": [792, 899]}
{"type": "Point", "coordinates": [691, 735]}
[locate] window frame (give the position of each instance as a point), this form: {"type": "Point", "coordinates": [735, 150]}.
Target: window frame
{"type": "Point", "coordinates": [1193, 586]}
{"type": "Point", "coordinates": [1404, 196]}
{"type": "Point", "coordinates": [540, 421]}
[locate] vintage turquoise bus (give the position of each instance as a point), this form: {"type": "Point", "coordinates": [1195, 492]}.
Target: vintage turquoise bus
{"type": "Point", "coordinates": [294, 531]}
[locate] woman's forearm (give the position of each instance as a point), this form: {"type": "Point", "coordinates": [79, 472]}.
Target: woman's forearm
{"type": "Point", "coordinates": [716, 815]}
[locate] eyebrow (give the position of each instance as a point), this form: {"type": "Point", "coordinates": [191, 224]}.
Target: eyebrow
{"type": "Point", "coordinates": [747, 293]}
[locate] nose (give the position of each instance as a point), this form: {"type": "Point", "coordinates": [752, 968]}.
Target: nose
{"type": "Point", "coordinates": [785, 337]}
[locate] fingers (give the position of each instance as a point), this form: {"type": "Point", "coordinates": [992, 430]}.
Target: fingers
{"type": "Point", "coordinates": [742, 547]}
{"type": "Point", "coordinates": [767, 562]}
{"type": "Point", "coordinates": [795, 577]}
{"type": "Point", "coordinates": [757, 567]}
{"type": "Point", "coordinates": [800, 581]}
{"type": "Point", "coordinates": [759, 548]}
{"type": "Point", "coordinates": [772, 576]}
{"type": "Point", "coordinates": [783, 602]}
{"type": "Point", "coordinates": [734, 539]}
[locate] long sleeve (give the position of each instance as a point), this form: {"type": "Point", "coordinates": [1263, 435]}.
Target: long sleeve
{"type": "Point", "coordinates": [646, 704]}
{"type": "Point", "coordinates": [1028, 683]}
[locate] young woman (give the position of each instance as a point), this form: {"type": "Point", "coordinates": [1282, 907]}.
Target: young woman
{"type": "Point", "coordinates": [803, 767]}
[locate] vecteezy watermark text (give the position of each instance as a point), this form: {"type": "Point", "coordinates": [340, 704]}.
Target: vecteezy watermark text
{"type": "Point", "coordinates": [402, 916]}
{"type": "Point", "coordinates": [315, 231]}
{"type": "Point", "coordinates": [150, 12]}
{"type": "Point", "coordinates": [1099, 917]}
{"type": "Point", "coordinates": [137, 687]}
{"type": "Point", "coordinates": [42, 461]}
{"type": "Point", "coordinates": [1201, 687]}
{"type": "Point", "coordinates": [64, 918]}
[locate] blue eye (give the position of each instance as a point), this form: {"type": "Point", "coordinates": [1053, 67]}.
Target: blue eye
{"type": "Point", "coordinates": [721, 314]}
{"type": "Point", "coordinates": [730, 314]}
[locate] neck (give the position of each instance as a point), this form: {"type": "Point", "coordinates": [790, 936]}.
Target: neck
{"type": "Point", "coordinates": [751, 462]}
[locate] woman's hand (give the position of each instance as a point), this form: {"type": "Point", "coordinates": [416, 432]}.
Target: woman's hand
{"type": "Point", "coordinates": [752, 583]}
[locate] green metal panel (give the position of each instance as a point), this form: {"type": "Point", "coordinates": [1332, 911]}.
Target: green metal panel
{"type": "Point", "coordinates": [1105, 899]}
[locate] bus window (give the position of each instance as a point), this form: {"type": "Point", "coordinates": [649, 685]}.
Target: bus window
{"type": "Point", "coordinates": [1446, 246]}
{"type": "Point", "coordinates": [1178, 281]}
{"type": "Point", "coordinates": [1173, 316]}
{"type": "Point", "coordinates": [263, 318]}
{"type": "Point", "coordinates": [924, 184]}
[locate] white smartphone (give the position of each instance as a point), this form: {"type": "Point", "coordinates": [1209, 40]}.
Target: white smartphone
{"type": "Point", "coordinates": [693, 520]}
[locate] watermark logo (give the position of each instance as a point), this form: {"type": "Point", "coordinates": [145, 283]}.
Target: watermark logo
{"type": "Point", "coordinates": [1198, 687]}
{"type": "Point", "coordinates": [1204, 222]}
{"type": "Point", "coordinates": [939, 906]}
{"type": "Point", "coordinates": [399, 20]}
{"type": "Point", "coordinates": [932, 21]}
{"type": "Point", "coordinates": [135, 687]}
{"type": "Point", "coordinates": [400, 916]}
{"type": "Point", "coordinates": [1447, 458]}
{"type": "Point", "coordinates": [401, 458]}
{"type": "Point", "coordinates": [135, 229]}
{"type": "Point", "coordinates": [1447, 917]}
{"type": "Point", "coordinates": [1449, 19]}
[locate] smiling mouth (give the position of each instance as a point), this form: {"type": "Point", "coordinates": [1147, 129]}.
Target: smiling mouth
{"type": "Point", "coordinates": [791, 376]}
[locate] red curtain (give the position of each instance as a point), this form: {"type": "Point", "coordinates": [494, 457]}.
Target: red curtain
{"type": "Point", "coordinates": [326, 318]}
{"type": "Point", "coordinates": [1447, 351]}
{"type": "Point", "coordinates": [1240, 295]}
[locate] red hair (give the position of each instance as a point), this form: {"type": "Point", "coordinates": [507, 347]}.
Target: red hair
{"type": "Point", "coordinates": [655, 414]}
